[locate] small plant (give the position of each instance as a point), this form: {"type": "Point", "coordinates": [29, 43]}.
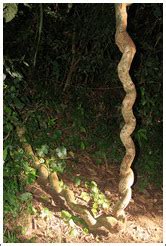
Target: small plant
{"type": "Point", "coordinates": [51, 122]}
{"type": "Point", "coordinates": [58, 163]}
{"type": "Point", "coordinates": [26, 197]}
{"type": "Point", "coordinates": [43, 150]}
{"type": "Point", "coordinates": [10, 237]}
{"type": "Point", "coordinates": [72, 220]}
{"type": "Point", "coordinates": [141, 136]}
{"type": "Point", "coordinates": [99, 201]}
{"type": "Point", "coordinates": [46, 213]}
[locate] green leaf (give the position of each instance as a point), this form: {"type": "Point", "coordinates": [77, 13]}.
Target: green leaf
{"type": "Point", "coordinates": [73, 232]}
{"type": "Point", "coordinates": [94, 211]}
{"type": "Point", "coordinates": [31, 209]}
{"type": "Point", "coordinates": [58, 166]}
{"type": "Point", "coordinates": [95, 205]}
{"type": "Point", "coordinates": [87, 184]}
{"type": "Point", "coordinates": [16, 74]}
{"type": "Point", "coordinates": [7, 110]}
{"type": "Point", "coordinates": [105, 205]}
{"type": "Point", "coordinates": [102, 197]}
{"type": "Point", "coordinates": [82, 145]}
{"type": "Point", "coordinates": [25, 63]}
{"type": "Point", "coordinates": [77, 181]}
{"type": "Point", "coordinates": [9, 11]}
{"type": "Point", "coordinates": [57, 135]}
{"type": "Point", "coordinates": [85, 230]}
{"type": "Point", "coordinates": [5, 153]}
{"type": "Point", "coordinates": [93, 183]}
{"type": "Point", "coordinates": [43, 150]}
{"type": "Point", "coordinates": [51, 122]}
{"type": "Point", "coordinates": [41, 161]}
{"type": "Point", "coordinates": [71, 223]}
{"type": "Point", "coordinates": [99, 201]}
{"type": "Point", "coordinates": [94, 189]}
{"type": "Point", "coordinates": [31, 176]}
{"type": "Point", "coordinates": [18, 103]}
{"type": "Point", "coordinates": [85, 196]}
{"type": "Point", "coordinates": [66, 215]}
{"type": "Point", "coordinates": [26, 196]}
{"type": "Point", "coordinates": [61, 152]}
{"type": "Point", "coordinates": [82, 129]}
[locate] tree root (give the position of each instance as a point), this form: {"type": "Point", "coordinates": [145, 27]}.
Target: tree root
{"type": "Point", "coordinates": [108, 222]}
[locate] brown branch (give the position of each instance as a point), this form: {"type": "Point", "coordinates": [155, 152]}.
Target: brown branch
{"type": "Point", "coordinates": [128, 49]}
{"type": "Point", "coordinates": [73, 64]}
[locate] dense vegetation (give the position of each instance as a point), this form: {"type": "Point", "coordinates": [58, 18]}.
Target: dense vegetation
{"type": "Point", "coordinates": [60, 81]}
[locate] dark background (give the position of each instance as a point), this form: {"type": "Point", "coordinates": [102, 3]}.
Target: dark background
{"type": "Point", "coordinates": [72, 96]}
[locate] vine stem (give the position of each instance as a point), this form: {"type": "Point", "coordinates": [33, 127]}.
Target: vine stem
{"type": "Point", "coordinates": [128, 49]}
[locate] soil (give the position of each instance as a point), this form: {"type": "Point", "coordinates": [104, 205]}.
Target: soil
{"type": "Point", "coordinates": [144, 214]}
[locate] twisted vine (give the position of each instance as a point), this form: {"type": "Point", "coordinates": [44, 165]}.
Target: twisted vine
{"type": "Point", "coordinates": [111, 223]}
{"type": "Point", "coordinates": [128, 49]}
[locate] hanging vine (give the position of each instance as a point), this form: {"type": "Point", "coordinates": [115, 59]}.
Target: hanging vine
{"type": "Point", "coordinates": [128, 49]}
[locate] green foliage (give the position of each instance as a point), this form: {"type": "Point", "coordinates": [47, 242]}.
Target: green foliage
{"type": "Point", "coordinates": [85, 196]}
{"type": "Point", "coordinates": [61, 152]}
{"type": "Point", "coordinates": [57, 162]}
{"type": "Point", "coordinates": [151, 158]}
{"type": "Point", "coordinates": [10, 237]}
{"type": "Point", "coordinates": [141, 136]}
{"type": "Point", "coordinates": [99, 200]}
{"type": "Point", "coordinates": [46, 213]}
{"type": "Point", "coordinates": [76, 43]}
{"type": "Point", "coordinates": [57, 135]}
{"type": "Point", "coordinates": [66, 215]}
{"type": "Point", "coordinates": [77, 181]}
{"type": "Point", "coordinates": [17, 173]}
{"type": "Point", "coordinates": [9, 11]}
{"type": "Point", "coordinates": [72, 220]}
{"type": "Point", "coordinates": [25, 197]}
{"type": "Point", "coordinates": [58, 166]}
{"type": "Point", "coordinates": [43, 150]}
{"type": "Point", "coordinates": [51, 123]}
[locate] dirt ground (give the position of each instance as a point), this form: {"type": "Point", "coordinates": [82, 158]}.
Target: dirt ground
{"type": "Point", "coordinates": [144, 214]}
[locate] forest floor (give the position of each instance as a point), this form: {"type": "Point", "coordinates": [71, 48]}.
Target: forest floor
{"type": "Point", "coordinates": [144, 214]}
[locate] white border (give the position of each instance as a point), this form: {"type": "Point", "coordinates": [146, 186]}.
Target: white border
{"type": "Point", "coordinates": [1, 112]}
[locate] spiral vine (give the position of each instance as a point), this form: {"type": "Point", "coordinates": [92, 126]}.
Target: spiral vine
{"type": "Point", "coordinates": [128, 49]}
{"type": "Point", "coordinates": [111, 223]}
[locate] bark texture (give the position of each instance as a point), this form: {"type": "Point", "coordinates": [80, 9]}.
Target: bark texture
{"type": "Point", "coordinates": [128, 49]}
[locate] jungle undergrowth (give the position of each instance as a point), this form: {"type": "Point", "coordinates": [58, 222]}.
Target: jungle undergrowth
{"type": "Point", "coordinates": [86, 118]}
{"type": "Point", "coordinates": [58, 132]}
